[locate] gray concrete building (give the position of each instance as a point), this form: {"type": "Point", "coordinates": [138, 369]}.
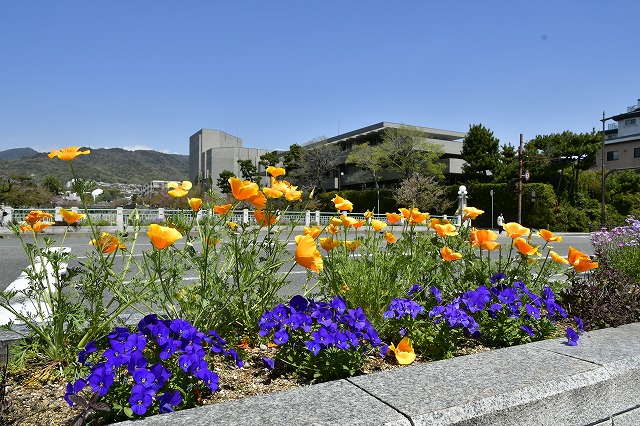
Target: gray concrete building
{"type": "Point", "coordinates": [212, 151]}
{"type": "Point", "coordinates": [622, 141]}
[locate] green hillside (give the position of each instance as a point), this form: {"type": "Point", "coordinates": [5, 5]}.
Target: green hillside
{"type": "Point", "coordinates": [113, 165]}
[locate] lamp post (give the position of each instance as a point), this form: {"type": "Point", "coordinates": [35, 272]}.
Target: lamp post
{"type": "Point", "coordinates": [604, 210]}
{"type": "Point", "coordinates": [462, 201]}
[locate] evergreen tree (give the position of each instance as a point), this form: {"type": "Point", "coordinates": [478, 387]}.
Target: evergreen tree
{"type": "Point", "coordinates": [480, 153]}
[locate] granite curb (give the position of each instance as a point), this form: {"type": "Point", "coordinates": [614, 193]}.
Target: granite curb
{"type": "Point", "coordinates": [541, 383]}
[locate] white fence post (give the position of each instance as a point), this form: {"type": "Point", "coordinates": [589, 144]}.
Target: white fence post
{"type": "Point", "coordinates": [161, 214]}
{"type": "Point", "coordinates": [307, 218]}
{"type": "Point", "coordinates": [57, 216]}
{"type": "Point", "coordinates": [119, 218]}
{"type": "Point", "coordinates": [317, 217]}
{"type": "Point", "coordinates": [245, 216]}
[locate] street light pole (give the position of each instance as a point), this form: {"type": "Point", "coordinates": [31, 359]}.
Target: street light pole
{"type": "Point", "coordinates": [604, 210]}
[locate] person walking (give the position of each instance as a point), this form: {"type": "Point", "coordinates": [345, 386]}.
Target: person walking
{"type": "Point", "coordinates": [500, 222]}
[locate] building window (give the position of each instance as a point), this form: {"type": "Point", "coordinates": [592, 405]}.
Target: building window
{"type": "Point", "coordinates": [630, 122]}
{"type": "Point", "coordinates": [636, 152]}
{"type": "Point", "coordinates": [612, 155]}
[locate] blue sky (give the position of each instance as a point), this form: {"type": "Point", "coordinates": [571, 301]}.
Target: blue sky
{"type": "Point", "coordinates": [148, 74]}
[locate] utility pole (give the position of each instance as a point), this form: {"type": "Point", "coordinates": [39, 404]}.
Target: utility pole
{"type": "Point", "coordinates": [520, 183]}
{"type": "Point", "coordinates": [603, 222]}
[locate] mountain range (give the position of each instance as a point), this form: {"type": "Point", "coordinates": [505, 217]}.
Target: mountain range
{"type": "Point", "coordinates": [114, 165]}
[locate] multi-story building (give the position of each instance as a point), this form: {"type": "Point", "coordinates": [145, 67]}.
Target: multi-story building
{"type": "Point", "coordinates": [347, 176]}
{"type": "Point", "coordinates": [622, 141]}
{"type": "Point", "coordinates": [213, 151]}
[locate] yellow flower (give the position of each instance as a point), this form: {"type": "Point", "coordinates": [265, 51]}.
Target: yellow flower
{"type": "Point", "coordinates": [548, 236]}
{"type": "Point", "coordinates": [515, 230]}
{"type": "Point", "coordinates": [195, 203]}
{"type": "Point", "coordinates": [348, 221]}
{"type": "Point", "coordinates": [358, 223]}
{"type": "Point", "coordinates": [390, 237]}
{"type": "Point", "coordinates": [68, 153]}
{"type": "Point", "coordinates": [332, 229]}
{"type": "Point", "coordinates": [335, 221]}
{"type": "Point", "coordinates": [342, 204]}
{"type": "Point", "coordinates": [223, 209]}
{"type": "Point", "coordinates": [107, 243]}
{"type": "Point", "coordinates": [414, 216]}
{"type": "Point", "coordinates": [71, 216]}
{"type": "Point", "coordinates": [293, 194]}
{"type": "Point", "coordinates": [580, 261]}
{"type": "Point", "coordinates": [314, 231]}
{"type": "Point", "coordinates": [163, 236]}
{"type": "Point", "coordinates": [37, 216]}
{"type": "Point", "coordinates": [368, 214]}
{"type": "Point", "coordinates": [483, 238]}
{"type": "Point", "coordinates": [307, 253]}
{"type": "Point", "coordinates": [471, 213]}
{"type": "Point", "coordinates": [328, 243]}
{"type": "Point", "coordinates": [179, 189]}
{"type": "Point", "coordinates": [557, 258]}
{"type": "Point", "coordinates": [265, 219]}
{"type": "Point", "coordinates": [447, 230]}
{"type": "Point", "coordinates": [450, 255]}
{"type": "Point", "coordinates": [393, 218]}
{"type": "Point", "coordinates": [231, 225]}
{"type": "Point", "coordinates": [524, 247]}
{"type": "Point", "coordinates": [272, 193]}
{"type": "Point", "coordinates": [378, 225]}
{"type": "Point", "coordinates": [404, 351]}
{"type": "Point", "coordinates": [352, 245]}
{"type": "Point", "coordinates": [275, 171]}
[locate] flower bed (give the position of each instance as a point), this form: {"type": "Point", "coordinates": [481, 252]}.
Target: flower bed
{"type": "Point", "coordinates": [379, 290]}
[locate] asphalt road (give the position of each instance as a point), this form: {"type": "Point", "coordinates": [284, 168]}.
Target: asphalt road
{"type": "Point", "coordinates": [13, 259]}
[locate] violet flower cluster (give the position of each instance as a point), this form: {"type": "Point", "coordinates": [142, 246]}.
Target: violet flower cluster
{"type": "Point", "coordinates": [324, 325]}
{"type": "Point", "coordinates": [132, 353]}
{"type": "Point", "coordinates": [618, 237]}
{"type": "Point", "coordinates": [515, 301]}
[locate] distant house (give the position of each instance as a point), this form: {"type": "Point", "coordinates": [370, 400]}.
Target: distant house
{"type": "Point", "coordinates": [213, 151]}
{"type": "Point", "coordinates": [622, 141]}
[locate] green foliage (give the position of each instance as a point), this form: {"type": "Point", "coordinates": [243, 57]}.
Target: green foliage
{"type": "Point", "coordinates": [269, 159]}
{"type": "Point", "coordinates": [425, 193]}
{"type": "Point", "coordinates": [480, 153]}
{"type": "Point", "coordinates": [106, 165]}
{"type": "Point", "coordinates": [223, 181]}
{"type": "Point", "coordinates": [249, 171]}
{"type": "Point", "coordinates": [406, 150]}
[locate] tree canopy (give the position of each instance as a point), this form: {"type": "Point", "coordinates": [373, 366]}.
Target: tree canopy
{"type": "Point", "coordinates": [480, 151]}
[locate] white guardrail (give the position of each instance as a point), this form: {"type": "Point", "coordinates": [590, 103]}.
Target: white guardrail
{"type": "Point", "coordinates": [119, 216]}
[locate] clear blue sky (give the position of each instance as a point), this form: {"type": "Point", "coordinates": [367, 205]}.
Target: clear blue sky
{"type": "Point", "coordinates": [148, 74]}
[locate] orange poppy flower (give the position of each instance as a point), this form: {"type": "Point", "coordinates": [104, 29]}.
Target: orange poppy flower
{"type": "Point", "coordinates": [352, 245]}
{"type": "Point", "coordinates": [524, 247]}
{"type": "Point", "coordinates": [449, 255]}
{"type": "Point", "coordinates": [471, 213]}
{"type": "Point", "coordinates": [307, 253]}
{"type": "Point", "coordinates": [434, 221]}
{"type": "Point", "coordinates": [447, 230]}
{"type": "Point", "coordinates": [276, 171]}
{"type": "Point", "coordinates": [404, 351]}
{"type": "Point", "coordinates": [548, 236]}
{"type": "Point", "coordinates": [414, 216]}
{"type": "Point", "coordinates": [342, 204]}
{"type": "Point", "coordinates": [390, 237]}
{"type": "Point", "coordinates": [393, 218]}
{"type": "Point", "coordinates": [332, 229]}
{"type": "Point", "coordinates": [223, 209]}
{"type": "Point", "coordinates": [328, 243]}
{"type": "Point", "coordinates": [557, 258]}
{"type": "Point", "coordinates": [69, 153]}
{"type": "Point", "coordinates": [368, 214]}
{"type": "Point", "coordinates": [36, 227]}
{"type": "Point", "coordinates": [580, 261]}
{"type": "Point", "coordinates": [358, 223]}
{"type": "Point", "coordinates": [293, 194]}
{"type": "Point", "coordinates": [258, 200]}
{"type": "Point", "coordinates": [272, 193]}
{"type": "Point", "coordinates": [71, 216]}
{"type": "Point", "coordinates": [484, 238]}
{"type": "Point", "coordinates": [378, 225]}
{"type": "Point", "coordinates": [107, 243]}
{"type": "Point", "coordinates": [348, 221]}
{"type": "Point", "coordinates": [515, 230]}
{"type": "Point", "coordinates": [265, 219]}
{"type": "Point", "coordinates": [37, 216]}
{"type": "Point", "coordinates": [195, 203]}
{"type": "Point", "coordinates": [179, 189]}
{"type": "Point", "coordinates": [163, 236]}
{"type": "Point", "coordinates": [313, 231]}
{"type": "Point", "coordinates": [243, 190]}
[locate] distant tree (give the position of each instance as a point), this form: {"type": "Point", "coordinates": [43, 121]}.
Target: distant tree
{"type": "Point", "coordinates": [508, 164]}
{"type": "Point", "coordinates": [223, 181]}
{"type": "Point", "coordinates": [407, 151]}
{"type": "Point", "coordinates": [292, 159]}
{"type": "Point", "coordinates": [53, 185]}
{"type": "Point", "coordinates": [480, 151]}
{"type": "Point", "coordinates": [269, 159]}
{"type": "Point", "coordinates": [423, 192]}
{"type": "Point", "coordinates": [109, 194]}
{"type": "Point", "coordinates": [316, 161]}
{"type": "Point", "coordinates": [249, 171]}
{"type": "Point", "coordinates": [369, 159]}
